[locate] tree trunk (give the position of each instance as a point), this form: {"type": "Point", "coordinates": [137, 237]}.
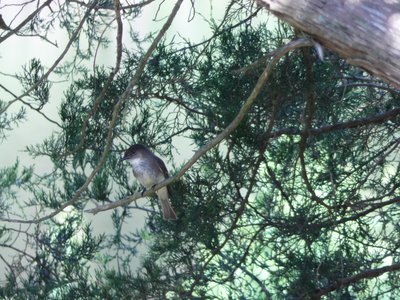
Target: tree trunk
{"type": "Point", "coordinates": [366, 33]}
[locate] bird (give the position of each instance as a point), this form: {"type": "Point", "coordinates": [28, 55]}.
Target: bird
{"type": "Point", "coordinates": [149, 170]}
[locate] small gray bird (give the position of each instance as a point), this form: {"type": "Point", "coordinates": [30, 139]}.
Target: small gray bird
{"type": "Point", "coordinates": [150, 170]}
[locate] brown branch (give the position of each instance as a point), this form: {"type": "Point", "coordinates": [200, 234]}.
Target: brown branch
{"type": "Point", "coordinates": [258, 63]}
{"type": "Point", "coordinates": [376, 119]}
{"type": "Point", "coordinates": [110, 79]}
{"type": "Point", "coordinates": [177, 101]}
{"type": "Point", "coordinates": [371, 84]}
{"type": "Point", "coordinates": [303, 42]}
{"type": "Point", "coordinates": [135, 5]}
{"type": "Point", "coordinates": [370, 273]}
{"type": "Point", "coordinates": [360, 122]}
{"type": "Point", "coordinates": [29, 18]}
{"type": "Point", "coordinates": [358, 215]}
{"type": "Point", "coordinates": [308, 116]}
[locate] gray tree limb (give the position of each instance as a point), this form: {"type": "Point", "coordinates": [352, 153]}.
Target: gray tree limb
{"type": "Point", "coordinates": [366, 33]}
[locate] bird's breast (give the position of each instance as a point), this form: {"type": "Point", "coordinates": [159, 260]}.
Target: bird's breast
{"type": "Point", "coordinates": [147, 174]}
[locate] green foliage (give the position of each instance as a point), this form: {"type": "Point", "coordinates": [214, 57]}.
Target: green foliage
{"type": "Point", "coordinates": [9, 120]}
{"type": "Point", "coordinates": [11, 181]}
{"type": "Point", "coordinates": [35, 84]}
{"type": "Point", "coordinates": [60, 266]}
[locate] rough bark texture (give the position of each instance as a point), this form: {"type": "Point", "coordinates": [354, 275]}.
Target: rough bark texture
{"type": "Point", "coordinates": [365, 32]}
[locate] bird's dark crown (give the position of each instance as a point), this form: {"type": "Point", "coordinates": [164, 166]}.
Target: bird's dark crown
{"type": "Point", "coordinates": [133, 150]}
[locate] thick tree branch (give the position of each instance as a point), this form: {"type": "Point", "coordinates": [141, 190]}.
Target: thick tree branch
{"type": "Point", "coordinates": [366, 33]}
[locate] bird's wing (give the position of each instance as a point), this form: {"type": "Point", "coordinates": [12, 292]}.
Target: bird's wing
{"type": "Point", "coordinates": [162, 166]}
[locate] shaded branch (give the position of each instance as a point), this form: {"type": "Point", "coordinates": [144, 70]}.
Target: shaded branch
{"type": "Point", "coordinates": [110, 7]}
{"type": "Point", "coordinates": [376, 119]}
{"type": "Point", "coordinates": [358, 215]}
{"type": "Point", "coordinates": [370, 273]}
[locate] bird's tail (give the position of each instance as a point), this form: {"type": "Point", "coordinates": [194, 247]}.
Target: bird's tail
{"type": "Point", "coordinates": [166, 207]}
{"type": "Point", "coordinates": [167, 210]}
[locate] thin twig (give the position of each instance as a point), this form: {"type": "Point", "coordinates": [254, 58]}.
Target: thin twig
{"type": "Point", "coordinates": [31, 107]}
{"type": "Point", "coordinates": [58, 60]}
{"type": "Point", "coordinates": [29, 18]}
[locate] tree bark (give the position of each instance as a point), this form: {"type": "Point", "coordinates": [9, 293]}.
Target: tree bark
{"type": "Point", "coordinates": [365, 32]}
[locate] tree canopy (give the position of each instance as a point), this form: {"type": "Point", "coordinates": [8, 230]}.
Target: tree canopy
{"type": "Point", "coordinates": [292, 191]}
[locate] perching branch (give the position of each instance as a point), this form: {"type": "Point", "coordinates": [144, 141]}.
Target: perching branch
{"type": "Point", "coordinates": [302, 42]}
